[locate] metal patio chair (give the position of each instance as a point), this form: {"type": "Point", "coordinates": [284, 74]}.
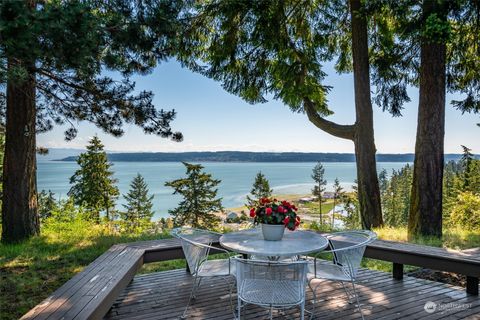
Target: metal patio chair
{"type": "Point", "coordinates": [347, 249]}
{"type": "Point", "coordinates": [196, 245]}
{"type": "Point", "coordinates": [271, 284]}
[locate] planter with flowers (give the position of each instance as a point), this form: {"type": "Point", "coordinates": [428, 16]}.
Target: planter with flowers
{"type": "Point", "coordinates": [274, 216]}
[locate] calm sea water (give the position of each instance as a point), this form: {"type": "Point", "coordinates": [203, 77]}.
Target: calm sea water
{"type": "Point", "coordinates": [237, 178]}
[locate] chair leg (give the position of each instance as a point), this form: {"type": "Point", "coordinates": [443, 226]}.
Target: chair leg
{"type": "Point", "coordinates": [231, 285]}
{"type": "Point", "coordinates": [302, 311]}
{"type": "Point", "coordinates": [192, 296]}
{"type": "Point", "coordinates": [196, 288]}
{"type": "Point", "coordinates": [271, 313]}
{"type": "Point", "coordinates": [349, 294]}
{"type": "Point", "coordinates": [239, 308]}
{"type": "Point", "coordinates": [314, 298]}
{"type": "Point", "coordinates": [358, 301]}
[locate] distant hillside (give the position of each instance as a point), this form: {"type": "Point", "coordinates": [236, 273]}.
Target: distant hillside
{"type": "Point", "coordinates": [240, 156]}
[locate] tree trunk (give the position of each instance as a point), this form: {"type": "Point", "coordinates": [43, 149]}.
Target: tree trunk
{"type": "Point", "coordinates": [320, 205]}
{"type": "Point", "coordinates": [425, 217]}
{"type": "Point", "coordinates": [19, 209]}
{"type": "Point", "coordinates": [368, 189]}
{"type": "Point", "coordinates": [361, 133]}
{"type": "Point", "coordinates": [333, 211]}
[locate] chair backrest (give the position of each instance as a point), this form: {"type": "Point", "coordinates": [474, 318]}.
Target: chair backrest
{"type": "Point", "coordinates": [196, 245]}
{"type": "Point", "coordinates": [292, 273]}
{"type": "Point", "coordinates": [348, 248]}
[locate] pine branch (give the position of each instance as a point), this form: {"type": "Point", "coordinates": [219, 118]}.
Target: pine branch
{"type": "Point", "coordinates": [337, 130]}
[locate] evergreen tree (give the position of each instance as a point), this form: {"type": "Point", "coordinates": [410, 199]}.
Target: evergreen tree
{"type": "Point", "coordinates": [139, 203]}
{"type": "Point", "coordinates": [432, 45]}
{"type": "Point", "coordinates": [46, 204]}
{"type": "Point", "coordinates": [383, 181]}
{"type": "Point", "coordinates": [259, 49]}
{"type": "Point", "coordinates": [466, 163]}
{"type": "Point", "coordinates": [384, 185]}
{"type": "Point", "coordinates": [318, 175]}
{"type": "Point", "coordinates": [353, 219]}
{"type": "Point", "coordinates": [53, 55]}
{"type": "Point", "coordinates": [260, 189]}
{"type": "Point", "coordinates": [93, 184]}
{"type": "Point", "coordinates": [338, 194]}
{"type": "Point", "coordinates": [199, 202]}
{"type": "Point", "coordinates": [2, 148]}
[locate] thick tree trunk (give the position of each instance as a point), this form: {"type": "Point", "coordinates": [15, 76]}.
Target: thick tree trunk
{"type": "Point", "coordinates": [361, 133]}
{"type": "Point", "coordinates": [368, 189]}
{"type": "Point", "coordinates": [425, 218]}
{"type": "Point", "coordinates": [19, 209]}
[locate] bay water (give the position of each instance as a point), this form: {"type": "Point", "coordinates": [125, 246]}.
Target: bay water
{"type": "Point", "coordinates": [237, 178]}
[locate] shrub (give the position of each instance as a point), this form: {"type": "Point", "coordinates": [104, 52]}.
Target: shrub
{"type": "Point", "coordinates": [466, 211]}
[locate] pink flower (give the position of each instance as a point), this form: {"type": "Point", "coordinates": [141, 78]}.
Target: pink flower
{"type": "Point", "coordinates": [268, 211]}
{"type": "Point", "coordinates": [280, 209]}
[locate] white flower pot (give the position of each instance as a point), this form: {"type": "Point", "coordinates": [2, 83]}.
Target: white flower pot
{"type": "Point", "coordinates": [273, 232]}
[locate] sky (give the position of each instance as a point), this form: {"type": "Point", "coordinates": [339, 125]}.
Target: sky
{"type": "Point", "coordinates": [211, 119]}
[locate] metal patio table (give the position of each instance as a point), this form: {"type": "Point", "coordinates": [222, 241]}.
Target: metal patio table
{"type": "Point", "coordinates": [294, 243]}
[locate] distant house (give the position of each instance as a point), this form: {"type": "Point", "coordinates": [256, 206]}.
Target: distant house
{"type": "Point", "coordinates": [328, 195]}
{"type": "Point", "coordinates": [307, 199]}
{"type": "Point", "coordinates": [232, 215]}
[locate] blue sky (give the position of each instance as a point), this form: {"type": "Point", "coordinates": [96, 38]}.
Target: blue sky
{"type": "Point", "coordinates": [212, 119]}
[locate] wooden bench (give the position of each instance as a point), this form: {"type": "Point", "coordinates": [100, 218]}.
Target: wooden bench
{"type": "Point", "coordinates": [92, 292]}
{"type": "Point", "coordinates": [466, 262]}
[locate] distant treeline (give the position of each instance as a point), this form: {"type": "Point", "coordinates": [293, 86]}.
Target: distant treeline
{"type": "Point", "coordinates": [241, 156]}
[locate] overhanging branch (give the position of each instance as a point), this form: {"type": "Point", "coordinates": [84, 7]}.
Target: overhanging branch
{"type": "Point", "coordinates": [337, 130]}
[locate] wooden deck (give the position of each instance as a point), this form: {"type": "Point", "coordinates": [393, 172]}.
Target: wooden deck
{"type": "Point", "coordinates": [91, 293]}
{"type": "Point", "coordinates": [163, 295]}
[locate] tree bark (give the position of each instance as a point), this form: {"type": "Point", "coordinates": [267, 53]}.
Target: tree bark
{"type": "Point", "coordinates": [364, 140]}
{"type": "Point", "coordinates": [425, 217]}
{"type": "Point", "coordinates": [19, 208]}
{"type": "Point", "coordinates": [361, 133]}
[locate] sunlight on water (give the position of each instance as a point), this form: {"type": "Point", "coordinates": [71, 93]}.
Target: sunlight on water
{"type": "Point", "coordinates": [237, 178]}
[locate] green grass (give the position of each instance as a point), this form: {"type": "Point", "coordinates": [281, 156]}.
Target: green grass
{"type": "Point", "coordinates": [313, 207]}
{"type": "Point", "coordinates": [453, 237]}
{"type": "Point", "coordinates": [30, 271]}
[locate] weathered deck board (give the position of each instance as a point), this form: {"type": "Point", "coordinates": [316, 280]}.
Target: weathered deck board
{"type": "Point", "coordinates": [163, 295]}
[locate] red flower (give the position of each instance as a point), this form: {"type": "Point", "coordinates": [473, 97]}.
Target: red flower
{"type": "Point", "coordinates": [286, 204]}
{"type": "Point", "coordinates": [280, 209]}
{"type": "Point", "coordinates": [252, 212]}
{"type": "Point", "coordinates": [286, 220]}
{"type": "Point", "coordinates": [297, 221]}
{"type": "Point", "coordinates": [268, 211]}
{"type": "Point", "coordinates": [294, 208]}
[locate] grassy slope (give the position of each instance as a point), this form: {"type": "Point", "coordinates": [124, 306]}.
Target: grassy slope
{"type": "Point", "coordinates": [32, 270]}
{"type": "Point", "coordinates": [313, 207]}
